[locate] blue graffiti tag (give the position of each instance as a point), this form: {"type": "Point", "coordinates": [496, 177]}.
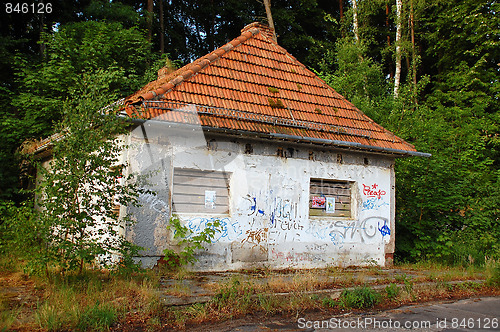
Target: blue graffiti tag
{"type": "Point", "coordinates": [373, 204]}
{"type": "Point", "coordinates": [229, 229]}
{"type": "Point", "coordinates": [253, 207]}
{"type": "Point", "coordinates": [337, 239]}
{"type": "Point", "coordinates": [384, 230]}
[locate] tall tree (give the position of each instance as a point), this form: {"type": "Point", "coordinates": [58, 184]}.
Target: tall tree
{"type": "Point", "coordinates": [399, 26]}
{"type": "Point", "coordinates": [82, 186]}
{"type": "Point", "coordinates": [355, 25]}
{"type": "Point", "coordinates": [72, 50]}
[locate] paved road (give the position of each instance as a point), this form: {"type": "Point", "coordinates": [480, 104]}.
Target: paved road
{"type": "Point", "coordinates": [477, 314]}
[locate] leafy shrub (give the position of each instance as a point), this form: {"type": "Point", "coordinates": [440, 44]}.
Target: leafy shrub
{"type": "Point", "coordinates": [189, 242]}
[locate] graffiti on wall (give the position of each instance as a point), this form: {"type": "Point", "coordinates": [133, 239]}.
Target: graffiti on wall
{"type": "Point", "coordinates": [155, 204]}
{"type": "Point", "coordinates": [256, 238]}
{"type": "Point", "coordinates": [375, 197]}
{"type": "Point", "coordinates": [373, 191]}
{"type": "Point", "coordinates": [280, 214]}
{"type": "Point", "coordinates": [384, 230]}
{"type": "Point", "coordinates": [342, 231]}
{"type": "Point", "coordinates": [229, 230]}
{"type": "Point", "coordinates": [296, 257]}
{"type": "Point", "coordinates": [373, 204]}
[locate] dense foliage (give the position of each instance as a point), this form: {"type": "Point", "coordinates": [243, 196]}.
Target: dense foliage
{"type": "Point", "coordinates": [447, 105]}
{"type": "Point", "coordinates": [76, 221]}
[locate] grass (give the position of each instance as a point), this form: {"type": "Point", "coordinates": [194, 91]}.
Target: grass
{"type": "Point", "coordinates": [99, 300]}
{"type": "Point", "coordinates": [93, 301]}
{"type": "Point", "coordinates": [359, 297]}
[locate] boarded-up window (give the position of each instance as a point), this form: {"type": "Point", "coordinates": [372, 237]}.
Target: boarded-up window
{"type": "Point", "coordinates": [330, 198]}
{"type": "Point", "coordinates": [198, 191]}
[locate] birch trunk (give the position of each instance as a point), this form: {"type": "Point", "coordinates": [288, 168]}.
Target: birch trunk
{"type": "Point", "coordinates": [413, 51]}
{"type": "Point", "coordinates": [397, 75]}
{"type": "Point", "coordinates": [355, 20]}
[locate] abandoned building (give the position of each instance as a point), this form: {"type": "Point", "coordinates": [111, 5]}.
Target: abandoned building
{"type": "Point", "coordinates": [297, 176]}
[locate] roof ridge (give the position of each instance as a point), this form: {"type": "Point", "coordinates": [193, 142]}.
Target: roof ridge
{"type": "Point", "coordinates": [196, 66]}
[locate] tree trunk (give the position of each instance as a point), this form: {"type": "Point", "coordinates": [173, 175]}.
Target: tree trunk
{"type": "Point", "coordinates": [42, 44]}
{"type": "Point", "coordinates": [150, 19]}
{"type": "Point", "coordinates": [267, 4]}
{"type": "Point", "coordinates": [162, 29]}
{"type": "Point", "coordinates": [355, 20]}
{"type": "Point", "coordinates": [341, 9]}
{"type": "Point", "coordinates": [397, 75]}
{"type": "Point", "coordinates": [413, 52]}
{"type": "Point", "coordinates": [387, 26]}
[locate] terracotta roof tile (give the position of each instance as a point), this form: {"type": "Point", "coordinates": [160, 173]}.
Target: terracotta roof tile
{"type": "Point", "coordinates": [241, 79]}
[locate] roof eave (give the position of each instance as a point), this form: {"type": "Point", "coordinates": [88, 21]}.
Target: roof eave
{"type": "Point", "coordinates": [322, 141]}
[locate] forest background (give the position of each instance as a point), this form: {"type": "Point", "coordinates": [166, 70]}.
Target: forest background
{"type": "Point", "coordinates": [428, 70]}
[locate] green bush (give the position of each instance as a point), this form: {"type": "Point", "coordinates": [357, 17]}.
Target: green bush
{"type": "Point", "coordinates": [189, 243]}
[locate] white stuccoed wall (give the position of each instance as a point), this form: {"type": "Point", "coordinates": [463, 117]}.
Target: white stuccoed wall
{"type": "Point", "coordinates": [268, 222]}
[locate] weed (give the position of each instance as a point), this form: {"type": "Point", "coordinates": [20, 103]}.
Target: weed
{"type": "Point", "coordinates": [7, 315]}
{"type": "Point", "coordinates": [275, 103]}
{"type": "Point", "coordinates": [359, 297]}
{"type": "Point", "coordinates": [98, 317]}
{"type": "Point", "coordinates": [493, 273]}
{"type": "Point", "coordinates": [48, 317]}
{"type": "Point", "coordinates": [153, 324]}
{"type": "Point", "coordinates": [273, 90]}
{"type": "Point", "coordinates": [432, 277]}
{"type": "Point", "coordinates": [269, 303]}
{"type": "Point", "coordinates": [392, 291]}
{"type": "Point", "coordinates": [198, 312]}
{"type": "Point", "coordinates": [329, 302]}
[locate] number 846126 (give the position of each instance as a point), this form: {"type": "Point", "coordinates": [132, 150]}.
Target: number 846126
{"type": "Point", "coordinates": [28, 8]}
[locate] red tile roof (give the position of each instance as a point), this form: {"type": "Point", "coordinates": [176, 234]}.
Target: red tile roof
{"type": "Point", "coordinates": [251, 84]}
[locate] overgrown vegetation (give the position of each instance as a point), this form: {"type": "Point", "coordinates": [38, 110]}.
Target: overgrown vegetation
{"type": "Point", "coordinates": [188, 243]}
{"type": "Point", "coordinates": [98, 300]}
{"type": "Point", "coordinates": [75, 222]}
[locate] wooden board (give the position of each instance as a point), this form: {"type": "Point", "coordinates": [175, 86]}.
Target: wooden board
{"type": "Point", "coordinates": [339, 190]}
{"type": "Point", "coordinates": [190, 187]}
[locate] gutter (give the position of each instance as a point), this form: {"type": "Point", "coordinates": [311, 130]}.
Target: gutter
{"type": "Point", "coordinates": [314, 140]}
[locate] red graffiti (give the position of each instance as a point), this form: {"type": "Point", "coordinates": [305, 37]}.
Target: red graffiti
{"type": "Point", "coordinates": [371, 191]}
